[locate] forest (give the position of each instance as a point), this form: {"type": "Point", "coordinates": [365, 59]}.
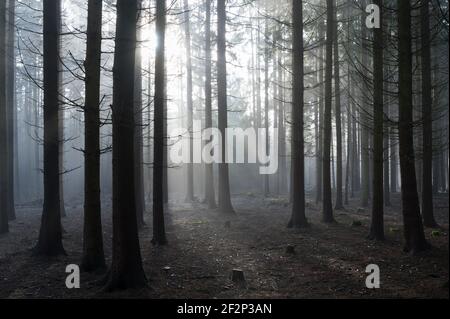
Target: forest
{"type": "Point", "coordinates": [224, 149]}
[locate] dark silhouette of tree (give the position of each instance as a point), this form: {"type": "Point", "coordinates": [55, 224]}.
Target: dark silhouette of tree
{"type": "Point", "coordinates": [427, 104]}
{"type": "Point", "coordinates": [126, 267]}
{"type": "Point", "coordinates": [377, 223]}
{"type": "Point", "coordinates": [319, 137]}
{"type": "Point", "coordinates": [225, 205]}
{"type": "Point", "coordinates": [190, 103]}
{"type": "Point", "coordinates": [11, 103]}
{"type": "Point", "coordinates": [50, 235]}
{"type": "Point", "coordinates": [266, 99]}
{"type": "Point", "coordinates": [93, 255]}
{"type": "Point", "coordinates": [3, 125]}
{"type": "Point", "coordinates": [337, 82]}
{"type": "Point", "coordinates": [209, 172]}
{"type": "Point", "coordinates": [364, 116]}
{"type": "Point", "coordinates": [138, 138]}
{"type": "Point", "coordinates": [298, 218]}
{"type": "Point", "coordinates": [159, 233]}
{"type": "Point", "coordinates": [327, 209]}
{"type": "Point", "coordinates": [413, 228]}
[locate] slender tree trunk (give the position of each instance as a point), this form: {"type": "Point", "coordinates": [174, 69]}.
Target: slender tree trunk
{"type": "Point", "coordinates": [377, 221]}
{"type": "Point", "coordinates": [386, 147]}
{"type": "Point", "coordinates": [281, 124]}
{"type": "Point", "coordinates": [356, 175]}
{"type": "Point", "coordinates": [3, 125]}
{"type": "Point", "coordinates": [93, 254]}
{"type": "Point", "coordinates": [50, 235]}
{"type": "Point", "coordinates": [61, 127]}
{"type": "Point", "coordinates": [427, 105]}
{"type": "Point", "coordinates": [365, 139]}
{"type": "Point", "coordinates": [327, 209]}
{"type": "Point", "coordinates": [126, 267]}
{"type": "Point", "coordinates": [159, 231]}
{"type": "Point", "coordinates": [138, 142]}
{"type": "Point", "coordinates": [225, 205]}
{"type": "Point", "coordinates": [276, 110]}
{"type": "Point", "coordinates": [393, 152]}
{"type": "Point", "coordinates": [266, 99]}
{"type": "Point", "coordinates": [337, 80]}
{"type": "Point", "coordinates": [209, 170]}
{"type": "Point", "coordinates": [298, 218]}
{"type": "Point", "coordinates": [386, 133]}
{"type": "Point", "coordinates": [258, 85]}
{"type": "Point", "coordinates": [413, 228]}
{"type": "Point", "coordinates": [11, 104]}
{"type": "Point", "coordinates": [319, 173]}
{"type": "Point", "coordinates": [190, 106]}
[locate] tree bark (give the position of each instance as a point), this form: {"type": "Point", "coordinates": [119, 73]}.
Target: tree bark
{"type": "Point", "coordinates": [50, 235]}
{"type": "Point", "coordinates": [377, 221]}
{"type": "Point", "coordinates": [138, 138]}
{"type": "Point", "coordinates": [427, 106]}
{"type": "Point", "coordinates": [365, 156]}
{"type": "Point", "coordinates": [11, 104]}
{"type": "Point", "coordinates": [327, 205]}
{"type": "Point", "coordinates": [3, 125]}
{"type": "Point", "coordinates": [93, 254]}
{"type": "Point", "coordinates": [126, 267]}
{"type": "Point", "coordinates": [412, 221]}
{"type": "Point", "coordinates": [190, 103]}
{"type": "Point", "coordinates": [209, 170]}
{"type": "Point", "coordinates": [337, 82]}
{"type": "Point", "coordinates": [298, 218]}
{"type": "Point", "coordinates": [159, 232]}
{"type": "Point", "coordinates": [225, 205]}
{"type": "Point", "coordinates": [266, 99]}
{"type": "Point", "coordinates": [319, 173]}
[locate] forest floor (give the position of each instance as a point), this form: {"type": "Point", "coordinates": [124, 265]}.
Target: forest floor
{"type": "Point", "coordinates": [204, 247]}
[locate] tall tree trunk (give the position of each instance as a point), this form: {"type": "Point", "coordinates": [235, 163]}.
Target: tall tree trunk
{"type": "Point", "coordinates": [61, 127]}
{"type": "Point", "coordinates": [50, 235]}
{"type": "Point", "coordinates": [356, 175]}
{"type": "Point", "coordinates": [337, 96]}
{"type": "Point", "coordinates": [276, 109]}
{"type": "Point", "coordinates": [209, 170]}
{"type": "Point", "coordinates": [138, 142]}
{"type": "Point", "coordinates": [93, 254]}
{"type": "Point", "coordinates": [298, 218]}
{"type": "Point", "coordinates": [190, 103]}
{"type": "Point", "coordinates": [327, 209]}
{"type": "Point", "coordinates": [281, 123]}
{"type": "Point", "coordinates": [365, 138]}
{"type": "Point", "coordinates": [427, 105]}
{"type": "Point", "coordinates": [3, 125]}
{"type": "Point", "coordinates": [386, 134]}
{"type": "Point", "coordinates": [159, 231]}
{"type": "Point", "coordinates": [11, 104]}
{"type": "Point", "coordinates": [225, 205]}
{"type": "Point", "coordinates": [126, 267]}
{"type": "Point", "coordinates": [258, 85]}
{"type": "Point", "coordinates": [393, 152]}
{"type": "Point", "coordinates": [266, 98]}
{"type": "Point", "coordinates": [413, 228]}
{"type": "Point", "coordinates": [319, 173]}
{"type": "Point", "coordinates": [377, 221]}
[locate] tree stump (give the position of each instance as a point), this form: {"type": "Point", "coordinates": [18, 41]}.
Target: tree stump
{"type": "Point", "coordinates": [238, 277]}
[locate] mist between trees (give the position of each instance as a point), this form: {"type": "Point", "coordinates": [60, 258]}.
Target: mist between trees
{"type": "Point", "coordinates": [131, 102]}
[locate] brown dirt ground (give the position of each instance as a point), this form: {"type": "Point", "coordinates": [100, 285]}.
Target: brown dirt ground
{"type": "Point", "coordinates": [329, 260]}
